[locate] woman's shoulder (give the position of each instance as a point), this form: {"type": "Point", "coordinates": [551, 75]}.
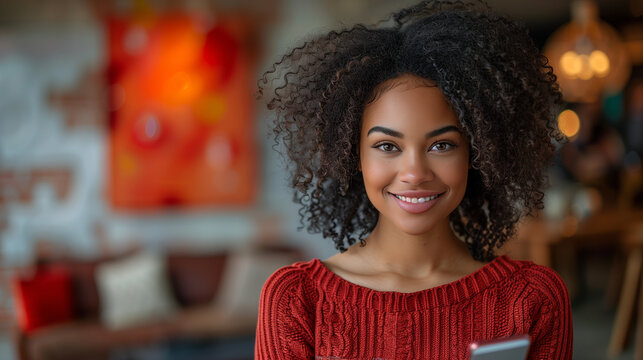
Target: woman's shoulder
{"type": "Point", "coordinates": [294, 278]}
{"type": "Point", "coordinates": [545, 282]}
{"type": "Point", "coordinates": [295, 272]}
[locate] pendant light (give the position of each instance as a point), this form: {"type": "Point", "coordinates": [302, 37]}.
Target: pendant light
{"type": "Point", "coordinates": [588, 56]}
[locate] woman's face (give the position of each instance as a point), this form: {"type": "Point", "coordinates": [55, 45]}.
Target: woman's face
{"type": "Point", "coordinates": [414, 157]}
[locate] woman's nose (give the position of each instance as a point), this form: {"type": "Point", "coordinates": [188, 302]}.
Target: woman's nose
{"type": "Point", "coordinates": [415, 169]}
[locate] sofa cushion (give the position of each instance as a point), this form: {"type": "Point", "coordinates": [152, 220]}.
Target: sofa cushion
{"type": "Point", "coordinates": [245, 274]}
{"type": "Point", "coordinates": [134, 290]}
{"type": "Point", "coordinates": [195, 277]}
{"type": "Point", "coordinates": [85, 293]}
{"type": "Point", "coordinates": [42, 299]}
{"type": "Point", "coordinates": [85, 299]}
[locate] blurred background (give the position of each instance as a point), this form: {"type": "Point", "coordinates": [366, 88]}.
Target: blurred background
{"type": "Point", "coordinates": [142, 204]}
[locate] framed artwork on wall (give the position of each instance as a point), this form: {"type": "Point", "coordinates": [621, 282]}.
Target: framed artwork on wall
{"type": "Point", "coordinates": [181, 130]}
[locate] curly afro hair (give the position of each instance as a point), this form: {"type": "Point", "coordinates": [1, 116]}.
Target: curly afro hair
{"type": "Point", "coordinates": [500, 87]}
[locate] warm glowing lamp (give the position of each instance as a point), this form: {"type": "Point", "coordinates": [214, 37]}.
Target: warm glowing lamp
{"type": "Point", "coordinates": [588, 56]}
{"type": "Point", "coordinates": [568, 123]}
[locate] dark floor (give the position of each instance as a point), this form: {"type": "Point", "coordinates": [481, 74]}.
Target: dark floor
{"type": "Point", "coordinates": [231, 349]}
{"type": "Point", "coordinates": [593, 318]}
{"type": "Point", "coordinates": [592, 328]}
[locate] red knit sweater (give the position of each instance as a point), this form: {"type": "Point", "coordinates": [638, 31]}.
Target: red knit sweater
{"type": "Point", "coordinates": [308, 312]}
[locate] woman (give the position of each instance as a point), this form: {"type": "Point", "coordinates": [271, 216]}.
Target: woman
{"type": "Point", "coordinates": [417, 147]}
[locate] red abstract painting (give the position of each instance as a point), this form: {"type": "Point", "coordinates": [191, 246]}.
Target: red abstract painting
{"type": "Point", "coordinates": [182, 109]}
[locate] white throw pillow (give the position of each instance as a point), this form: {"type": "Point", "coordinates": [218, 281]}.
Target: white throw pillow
{"type": "Point", "coordinates": [243, 279]}
{"type": "Point", "coordinates": [133, 291]}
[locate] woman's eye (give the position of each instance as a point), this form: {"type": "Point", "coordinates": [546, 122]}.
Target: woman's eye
{"type": "Point", "coordinates": [386, 147]}
{"type": "Point", "coordinates": [442, 146]}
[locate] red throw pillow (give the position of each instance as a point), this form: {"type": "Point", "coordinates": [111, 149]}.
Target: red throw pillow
{"type": "Point", "coordinates": [43, 299]}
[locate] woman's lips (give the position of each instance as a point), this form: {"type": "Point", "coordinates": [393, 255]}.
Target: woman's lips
{"type": "Point", "coordinates": [416, 204]}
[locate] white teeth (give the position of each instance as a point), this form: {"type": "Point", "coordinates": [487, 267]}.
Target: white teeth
{"type": "Point", "coordinates": [415, 200]}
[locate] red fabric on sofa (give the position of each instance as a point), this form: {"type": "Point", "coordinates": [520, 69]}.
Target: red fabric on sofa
{"type": "Point", "coordinates": [43, 298]}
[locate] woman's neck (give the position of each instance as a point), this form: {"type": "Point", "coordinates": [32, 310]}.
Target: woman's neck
{"type": "Point", "coordinates": [415, 256]}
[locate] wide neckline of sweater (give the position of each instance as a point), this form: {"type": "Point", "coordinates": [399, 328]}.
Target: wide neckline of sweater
{"type": "Point", "coordinates": [451, 293]}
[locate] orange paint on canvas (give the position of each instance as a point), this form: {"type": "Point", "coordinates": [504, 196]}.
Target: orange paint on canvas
{"type": "Point", "coordinates": [181, 126]}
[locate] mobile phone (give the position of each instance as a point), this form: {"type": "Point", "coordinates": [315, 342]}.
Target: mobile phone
{"type": "Point", "coordinates": [508, 348]}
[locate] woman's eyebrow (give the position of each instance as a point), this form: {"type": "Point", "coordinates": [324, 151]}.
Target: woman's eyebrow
{"type": "Point", "coordinates": [386, 131]}
{"type": "Point", "coordinates": [442, 130]}
{"type": "Point", "coordinates": [398, 134]}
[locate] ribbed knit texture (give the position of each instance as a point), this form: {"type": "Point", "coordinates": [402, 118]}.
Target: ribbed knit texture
{"type": "Point", "coordinates": [308, 312]}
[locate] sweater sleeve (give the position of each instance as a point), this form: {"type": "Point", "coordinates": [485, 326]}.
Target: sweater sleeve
{"type": "Point", "coordinates": [551, 332]}
{"type": "Point", "coordinates": [285, 324]}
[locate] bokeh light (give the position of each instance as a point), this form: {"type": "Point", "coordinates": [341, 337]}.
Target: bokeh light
{"type": "Point", "coordinates": [568, 123]}
{"type": "Point", "coordinates": [599, 62]}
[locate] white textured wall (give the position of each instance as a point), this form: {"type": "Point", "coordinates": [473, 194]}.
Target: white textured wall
{"type": "Point", "coordinates": [36, 59]}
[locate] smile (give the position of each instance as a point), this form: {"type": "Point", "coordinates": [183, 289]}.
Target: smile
{"type": "Point", "coordinates": [416, 204]}
{"type": "Point", "coordinates": [416, 200]}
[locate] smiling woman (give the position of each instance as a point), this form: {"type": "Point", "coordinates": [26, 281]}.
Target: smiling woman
{"type": "Point", "coordinates": [417, 147]}
{"type": "Point", "coordinates": [413, 157]}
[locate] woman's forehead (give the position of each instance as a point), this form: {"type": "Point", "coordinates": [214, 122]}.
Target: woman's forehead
{"type": "Point", "coordinates": [410, 101]}
{"type": "Point", "coordinates": [406, 81]}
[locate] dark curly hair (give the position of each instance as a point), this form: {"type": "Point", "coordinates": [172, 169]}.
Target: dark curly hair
{"type": "Point", "coordinates": [500, 87]}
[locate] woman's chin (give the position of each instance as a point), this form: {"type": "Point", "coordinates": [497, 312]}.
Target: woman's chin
{"type": "Point", "coordinates": [417, 228]}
